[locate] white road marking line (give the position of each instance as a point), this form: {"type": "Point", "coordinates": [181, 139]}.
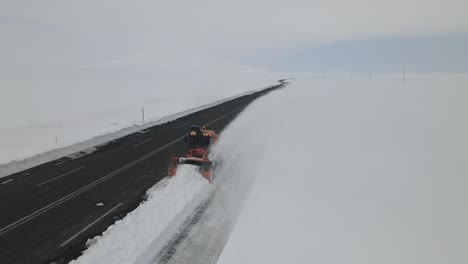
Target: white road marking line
{"type": "Point", "coordinates": [7, 181]}
{"type": "Point", "coordinates": [182, 125]}
{"type": "Point", "coordinates": [91, 224]}
{"type": "Point", "coordinates": [60, 176]}
{"type": "Point", "coordinates": [83, 189]}
{"type": "Point", "coordinates": [143, 142]}
{"type": "Point", "coordinates": [24, 175]}
{"type": "Point", "coordinates": [60, 163]}
{"type": "Point", "coordinates": [91, 185]}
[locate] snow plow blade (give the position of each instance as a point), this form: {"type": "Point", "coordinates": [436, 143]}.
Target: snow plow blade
{"type": "Point", "coordinates": [205, 168]}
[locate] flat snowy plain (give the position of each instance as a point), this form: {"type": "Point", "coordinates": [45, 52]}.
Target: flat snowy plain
{"type": "Point", "coordinates": [356, 171]}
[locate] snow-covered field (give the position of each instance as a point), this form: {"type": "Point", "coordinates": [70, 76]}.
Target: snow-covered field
{"type": "Point", "coordinates": [50, 108]}
{"type": "Point", "coordinates": [355, 171]}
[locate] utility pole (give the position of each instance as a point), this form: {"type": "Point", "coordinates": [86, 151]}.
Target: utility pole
{"type": "Point", "coordinates": [403, 78]}
{"type": "Point", "coordinates": [370, 75]}
{"type": "Point", "coordinates": [143, 115]}
{"type": "Point", "coordinates": [56, 140]}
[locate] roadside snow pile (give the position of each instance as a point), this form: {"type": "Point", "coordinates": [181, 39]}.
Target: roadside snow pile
{"type": "Point", "coordinates": [46, 109]}
{"type": "Point", "coordinates": [355, 171]}
{"type": "Point", "coordinates": [130, 238]}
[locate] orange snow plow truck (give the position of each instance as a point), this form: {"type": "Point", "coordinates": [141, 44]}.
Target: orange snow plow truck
{"type": "Point", "coordinates": [198, 152]}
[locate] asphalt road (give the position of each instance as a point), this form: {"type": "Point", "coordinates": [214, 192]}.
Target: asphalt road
{"type": "Point", "coordinates": [48, 212]}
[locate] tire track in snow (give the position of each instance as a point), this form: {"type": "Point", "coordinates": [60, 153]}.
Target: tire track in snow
{"type": "Point", "coordinates": [171, 248]}
{"type": "Point", "coordinates": [203, 235]}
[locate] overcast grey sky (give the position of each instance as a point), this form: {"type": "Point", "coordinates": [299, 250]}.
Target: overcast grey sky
{"type": "Point", "coordinates": [266, 33]}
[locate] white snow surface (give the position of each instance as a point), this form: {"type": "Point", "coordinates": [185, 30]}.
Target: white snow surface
{"type": "Point", "coordinates": [354, 171]}
{"type": "Point", "coordinates": [44, 109]}
{"type": "Point", "coordinates": [130, 238]}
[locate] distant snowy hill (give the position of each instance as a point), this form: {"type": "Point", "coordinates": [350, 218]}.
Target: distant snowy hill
{"type": "Point", "coordinates": [173, 61]}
